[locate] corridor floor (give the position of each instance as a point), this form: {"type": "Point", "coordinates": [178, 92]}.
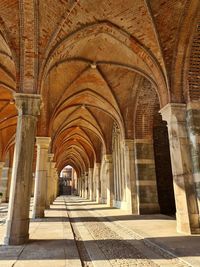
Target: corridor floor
{"type": "Point", "coordinates": [78, 232]}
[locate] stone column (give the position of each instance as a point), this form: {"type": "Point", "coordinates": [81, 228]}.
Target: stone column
{"type": "Point", "coordinates": [2, 184]}
{"type": "Point", "coordinates": [90, 183]}
{"type": "Point", "coordinates": [17, 225]}
{"type": "Point", "coordinates": [9, 184]}
{"type": "Point", "coordinates": [55, 183]}
{"type": "Point", "coordinates": [109, 179]}
{"type": "Point", "coordinates": [86, 186]}
{"type": "Point", "coordinates": [130, 177]}
{"type": "Point", "coordinates": [33, 185]}
{"type": "Point", "coordinates": [78, 186]}
{"type": "Point", "coordinates": [184, 189]}
{"type": "Point", "coordinates": [146, 177]}
{"type": "Point", "coordinates": [49, 180]}
{"type": "Point", "coordinates": [82, 185]}
{"type": "Point", "coordinates": [97, 181]}
{"type": "Point", "coordinates": [193, 127]}
{"type": "Point", "coordinates": [1, 170]}
{"type": "Point", "coordinates": [40, 193]}
{"type": "Point", "coordinates": [52, 197]}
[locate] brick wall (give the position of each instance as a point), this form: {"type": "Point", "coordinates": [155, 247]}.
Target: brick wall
{"type": "Point", "coordinates": [146, 104]}
{"type": "Point", "coordinates": [194, 68]}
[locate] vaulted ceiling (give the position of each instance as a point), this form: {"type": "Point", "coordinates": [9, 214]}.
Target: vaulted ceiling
{"type": "Point", "coordinates": [89, 59]}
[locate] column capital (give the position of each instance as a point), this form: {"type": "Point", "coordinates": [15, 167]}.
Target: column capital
{"type": "Point", "coordinates": [174, 112]}
{"type": "Point", "coordinates": [2, 163]}
{"type": "Point", "coordinates": [28, 104]}
{"type": "Point", "coordinates": [97, 164]}
{"type": "Point", "coordinates": [53, 164]}
{"type": "Point", "coordinates": [50, 157]}
{"type": "Point", "coordinates": [43, 142]}
{"type": "Point", "coordinates": [143, 141]}
{"type": "Point", "coordinates": [193, 105]}
{"type": "Point", "coordinates": [108, 158]}
{"type": "Point", "coordinates": [129, 143]}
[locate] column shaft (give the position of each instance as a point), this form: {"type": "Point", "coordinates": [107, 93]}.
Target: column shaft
{"type": "Point", "coordinates": [109, 179]}
{"type": "Point", "coordinates": [146, 176]}
{"type": "Point", "coordinates": [193, 127]}
{"type": "Point", "coordinates": [184, 189]}
{"type": "Point", "coordinates": [40, 193]}
{"type": "Point", "coordinates": [130, 177]}
{"type": "Point", "coordinates": [17, 226]}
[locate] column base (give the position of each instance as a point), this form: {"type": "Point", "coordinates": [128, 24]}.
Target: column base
{"type": "Point", "coordinates": [16, 240]}
{"type": "Point", "coordinates": [187, 227]}
{"type": "Point", "coordinates": [38, 214]}
{"type": "Point", "coordinates": [15, 237]}
{"type": "Point", "coordinates": [149, 208]}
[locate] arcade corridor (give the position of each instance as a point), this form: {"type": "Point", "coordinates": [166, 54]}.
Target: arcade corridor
{"type": "Point", "coordinates": [100, 132]}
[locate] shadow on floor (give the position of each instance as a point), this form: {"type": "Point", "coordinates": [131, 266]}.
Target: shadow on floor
{"type": "Point", "coordinates": [112, 248]}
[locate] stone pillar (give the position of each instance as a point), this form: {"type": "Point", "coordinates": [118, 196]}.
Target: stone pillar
{"type": "Point", "coordinates": [49, 180]}
{"type": "Point", "coordinates": [109, 179]}
{"type": "Point", "coordinates": [184, 189]}
{"type": "Point", "coordinates": [17, 225]}
{"type": "Point", "coordinates": [1, 170]}
{"type": "Point", "coordinates": [130, 177]}
{"type": "Point", "coordinates": [55, 183]}
{"type": "Point", "coordinates": [146, 176]}
{"type": "Point", "coordinates": [90, 183]}
{"type": "Point", "coordinates": [9, 184]}
{"type": "Point", "coordinates": [86, 194]}
{"type": "Point", "coordinates": [82, 185]}
{"type": "Point", "coordinates": [52, 197]}
{"type": "Point", "coordinates": [97, 181]}
{"type": "Point", "coordinates": [193, 127]}
{"type": "Point", "coordinates": [2, 184]}
{"type": "Point", "coordinates": [78, 186]}
{"type": "Point", "coordinates": [40, 193]}
{"type": "Point", "coordinates": [33, 185]}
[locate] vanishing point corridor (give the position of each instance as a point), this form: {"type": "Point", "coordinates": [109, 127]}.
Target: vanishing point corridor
{"type": "Point", "coordinates": [78, 232]}
{"type": "Point", "coordinates": [99, 133]}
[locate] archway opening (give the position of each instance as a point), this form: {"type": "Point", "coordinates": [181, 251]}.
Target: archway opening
{"type": "Point", "coordinates": [67, 181]}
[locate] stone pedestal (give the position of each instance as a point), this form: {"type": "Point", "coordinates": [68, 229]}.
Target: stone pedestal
{"type": "Point", "coordinates": [185, 196]}
{"type": "Point", "coordinates": [193, 127]}
{"type": "Point", "coordinates": [17, 225]}
{"type": "Point", "coordinates": [146, 177]}
{"type": "Point", "coordinates": [130, 177]}
{"type": "Point", "coordinates": [41, 185]}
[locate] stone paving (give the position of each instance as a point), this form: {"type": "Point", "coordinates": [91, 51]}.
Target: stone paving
{"type": "Point", "coordinates": [77, 232]}
{"type": "Point", "coordinates": [119, 246]}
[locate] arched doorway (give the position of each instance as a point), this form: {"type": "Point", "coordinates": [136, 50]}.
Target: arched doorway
{"type": "Point", "coordinates": [67, 181]}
